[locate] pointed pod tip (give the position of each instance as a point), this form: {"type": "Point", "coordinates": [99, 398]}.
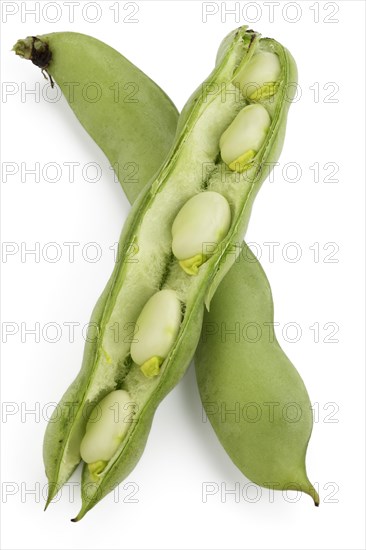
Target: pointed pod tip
{"type": "Point", "coordinates": [80, 516]}
{"type": "Point", "coordinates": [316, 498]}
{"type": "Point", "coordinates": [314, 495]}
{"type": "Point", "coordinates": [50, 496]}
{"type": "Point", "coordinates": [48, 502]}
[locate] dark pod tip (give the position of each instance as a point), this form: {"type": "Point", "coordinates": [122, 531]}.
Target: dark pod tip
{"type": "Point", "coordinates": [316, 499]}
{"type": "Point", "coordinates": [314, 495]}
{"type": "Point", "coordinates": [34, 49]}
{"type": "Point", "coordinates": [80, 516]}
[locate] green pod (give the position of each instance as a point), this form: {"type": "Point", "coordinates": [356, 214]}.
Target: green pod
{"type": "Point", "coordinates": [115, 136]}
{"type": "Point", "coordinates": [268, 435]}
{"type": "Point", "coordinates": [204, 119]}
{"type": "Point", "coordinates": [107, 91]}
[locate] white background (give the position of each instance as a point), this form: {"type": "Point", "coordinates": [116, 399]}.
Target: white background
{"type": "Point", "coordinates": [171, 42]}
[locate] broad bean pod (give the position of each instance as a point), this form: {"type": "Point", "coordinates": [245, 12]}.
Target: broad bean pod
{"type": "Point", "coordinates": [265, 91]}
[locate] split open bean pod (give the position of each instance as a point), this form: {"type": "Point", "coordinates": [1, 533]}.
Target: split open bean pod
{"type": "Point", "coordinates": [209, 215]}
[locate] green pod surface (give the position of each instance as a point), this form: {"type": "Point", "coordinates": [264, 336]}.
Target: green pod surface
{"type": "Point", "coordinates": [107, 91]}
{"type": "Point", "coordinates": [268, 435]}
{"type": "Point", "coordinates": [204, 119]}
